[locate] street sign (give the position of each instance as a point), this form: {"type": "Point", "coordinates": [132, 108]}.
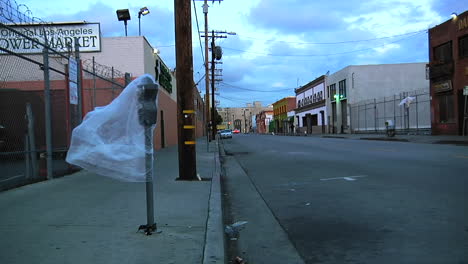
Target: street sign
{"type": "Point", "coordinates": [73, 93]}
{"type": "Point", "coordinates": [73, 80]}
{"type": "Point", "coordinates": [72, 70]}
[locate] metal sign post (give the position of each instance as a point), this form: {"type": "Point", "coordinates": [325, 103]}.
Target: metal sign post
{"type": "Point", "coordinates": [148, 92]}
{"type": "Point", "coordinates": [465, 110]}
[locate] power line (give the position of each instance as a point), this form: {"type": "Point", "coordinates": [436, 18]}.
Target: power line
{"type": "Point", "coordinates": [338, 42]}
{"type": "Point", "coordinates": [260, 91]}
{"type": "Point", "coordinates": [319, 55]}
{"type": "Point", "coordinates": [198, 28]}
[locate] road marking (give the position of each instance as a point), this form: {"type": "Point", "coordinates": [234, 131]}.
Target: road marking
{"type": "Point", "coordinates": [384, 149]}
{"type": "Point", "coordinates": [13, 177]}
{"type": "Point", "coordinates": [349, 178]}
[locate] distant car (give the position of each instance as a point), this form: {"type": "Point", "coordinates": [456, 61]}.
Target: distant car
{"type": "Point", "coordinates": [227, 133]}
{"type": "Point", "coordinates": [236, 131]}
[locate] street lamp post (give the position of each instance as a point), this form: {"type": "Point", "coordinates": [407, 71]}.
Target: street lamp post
{"type": "Point", "coordinates": [143, 11]}
{"type": "Point", "coordinates": [123, 15]}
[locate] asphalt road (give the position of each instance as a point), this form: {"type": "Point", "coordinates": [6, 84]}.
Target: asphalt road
{"type": "Point", "coordinates": [358, 201]}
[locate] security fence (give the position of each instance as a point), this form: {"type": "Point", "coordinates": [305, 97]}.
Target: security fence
{"type": "Point", "coordinates": [370, 116]}
{"type": "Point", "coordinates": [40, 101]}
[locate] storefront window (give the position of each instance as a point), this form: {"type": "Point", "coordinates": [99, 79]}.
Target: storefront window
{"type": "Point", "coordinates": [443, 53]}
{"type": "Point", "coordinates": [333, 91]}
{"type": "Point", "coordinates": [446, 109]}
{"type": "Point", "coordinates": [342, 88]}
{"type": "Point", "coordinates": [463, 47]}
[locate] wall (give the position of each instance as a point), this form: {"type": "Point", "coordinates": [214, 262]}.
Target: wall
{"type": "Point", "coordinates": [367, 82]}
{"type": "Point", "coordinates": [127, 54]}
{"type": "Point", "coordinates": [169, 108]}
{"type": "Point", "coordinates": [451, 30]}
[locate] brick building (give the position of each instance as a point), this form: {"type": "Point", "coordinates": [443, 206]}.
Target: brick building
{"type": "Point", "coordinates": [281, 108]}
{"type": "Point", "coordinates": [448, 73]}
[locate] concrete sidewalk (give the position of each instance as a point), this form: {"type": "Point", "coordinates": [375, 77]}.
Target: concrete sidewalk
{"type": "Point", "coordinates": [86, 218]}
{"type": "Point", "coordinates": [421, 138]}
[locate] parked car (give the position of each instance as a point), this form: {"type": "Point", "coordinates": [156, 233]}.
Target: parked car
{"type": "Point", "coordinates": [236, 131]}
{"type": "Point", "coordinates": [227, 133]}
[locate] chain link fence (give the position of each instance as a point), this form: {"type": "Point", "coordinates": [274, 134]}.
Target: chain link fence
{"type": "Point", "coordinates": [369, 116]}
{"type": "Point", "coordinates": [37, 114]}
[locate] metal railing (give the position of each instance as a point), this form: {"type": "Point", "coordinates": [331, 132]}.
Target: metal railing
{"type": "Point", "coordinates": [369, 116]}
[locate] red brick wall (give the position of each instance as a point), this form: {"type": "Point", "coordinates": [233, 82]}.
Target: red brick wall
{"type": "Point", "coordinates": [291, 105]}
{"type": "Point", "coordinates": [450, 31]}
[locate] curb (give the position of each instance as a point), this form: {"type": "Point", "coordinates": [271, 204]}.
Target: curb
{"type": "Point", "coordinates": [385, 139]}
{"type": "Point", "coordinates": [214, 249]}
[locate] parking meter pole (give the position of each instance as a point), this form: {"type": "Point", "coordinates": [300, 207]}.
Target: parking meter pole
{"type": "Point", "coordinates": [149, 180]}
{"type": "Point", "coordinates": [147, 115]}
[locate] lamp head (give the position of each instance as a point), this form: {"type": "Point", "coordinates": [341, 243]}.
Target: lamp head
{"type": "Point", "coordinates": [144, 11]}
{"type": "Point", "coordinates": [123, 14]}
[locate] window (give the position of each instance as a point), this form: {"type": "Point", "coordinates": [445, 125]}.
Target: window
{"type": "Point", "coordinates": [443, 53]}
{"type": "Point", "coordinates": [446, 109]}
{"type": "Point", "coordinates": [342, 88]}
{"type": "Point", "coordinates": [333, 91]}
{"type": "Point", "coordinates": [463, 47]}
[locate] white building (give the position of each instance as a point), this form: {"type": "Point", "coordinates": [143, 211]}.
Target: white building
{"type": "Point", "coordinates": [377, 85]}
{"type": "Point", "coordinates": [311, 108]}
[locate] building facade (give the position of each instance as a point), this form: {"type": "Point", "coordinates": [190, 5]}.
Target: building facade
{"type": "Point", "coordinates": [242, 118]}
{"type": "Point", "coordinates": [448, 73]}
{"type": "Point", "coordinates": [263, 120]}
{"type": "Point", "coordinates": [283, 124]}
{"type": "Point", "coordinates": [112, 58]}
{"type": "Point", "coordinates": [311, 108]}
{"type": "Point", "coordinates": [366, 83]}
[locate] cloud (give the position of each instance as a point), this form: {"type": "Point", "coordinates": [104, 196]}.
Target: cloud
{"type": "Point", "coordinates": [300, 16]}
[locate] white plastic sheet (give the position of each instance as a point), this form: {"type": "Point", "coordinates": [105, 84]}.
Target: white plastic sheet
{"type": "Point", "coordinates": [110, 141]}
{"type": "Point", "coordinates": [407, 101]}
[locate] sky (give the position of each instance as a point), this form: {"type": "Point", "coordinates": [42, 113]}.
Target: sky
{"type": "Point", "coordinates": [279, 45]}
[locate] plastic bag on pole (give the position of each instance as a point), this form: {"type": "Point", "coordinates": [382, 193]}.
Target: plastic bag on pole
{"type": "Point", "coordinates": [110, 141]}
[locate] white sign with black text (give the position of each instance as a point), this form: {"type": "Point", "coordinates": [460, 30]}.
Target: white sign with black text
{"type": "Point", "coordinates": [26, 39]}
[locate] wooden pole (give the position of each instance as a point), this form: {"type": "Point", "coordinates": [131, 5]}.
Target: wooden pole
{"type": "Point", "coordinates": [185, 86]}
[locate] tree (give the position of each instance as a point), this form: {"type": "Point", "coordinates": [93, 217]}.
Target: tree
{"type": "Point", "coordinates": [218, 118]}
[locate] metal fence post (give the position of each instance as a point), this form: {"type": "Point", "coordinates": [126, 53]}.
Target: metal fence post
{"type": "Point", "coordinates": [79, 82]}
{"type": "Point", "coordinates": [48, 112]}
{"type": "Point", "coordinates": [358, 120]}
{"type": "Point", "coordinates": [31, 140]}
{"type": "Point", "coordinates": [375, 115]}
{"type": "Point", "coordinates": [27, 157]}
{"type": "Point", "coordinates": [394, 110]}
{"type": "Point", "coordinates": [112, 84]}
{"type": "Point", "coordinates": [417, 117]}
{"type": "Point", "coordinates": [365, 116]}
{"type": "Point", "coordinates": [94, 83]}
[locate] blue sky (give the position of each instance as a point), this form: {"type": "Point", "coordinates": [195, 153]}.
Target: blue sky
{"type": "Point", "coordinates": [279, 45]}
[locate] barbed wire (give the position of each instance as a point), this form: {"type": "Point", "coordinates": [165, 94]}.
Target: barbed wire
{"type": "Point", "coordinates": [102, 70]}
{"type": "Point", "coordinates": [12, 12]}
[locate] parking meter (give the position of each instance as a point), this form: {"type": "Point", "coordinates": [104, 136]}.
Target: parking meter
{"type": "Point", "coordinates": [148, 93]}
{"type": "Point", "coordinates": [147, 115]}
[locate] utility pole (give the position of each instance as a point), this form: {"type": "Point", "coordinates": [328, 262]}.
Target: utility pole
{"type": "Point", "coordinates": [185, 99]}
{"type": "Point", "coordinates": [213, 64]}
{"type": "Point", "coordinates": [207, 76]}
{"type": "Point", "coordinates": [213, 118]}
